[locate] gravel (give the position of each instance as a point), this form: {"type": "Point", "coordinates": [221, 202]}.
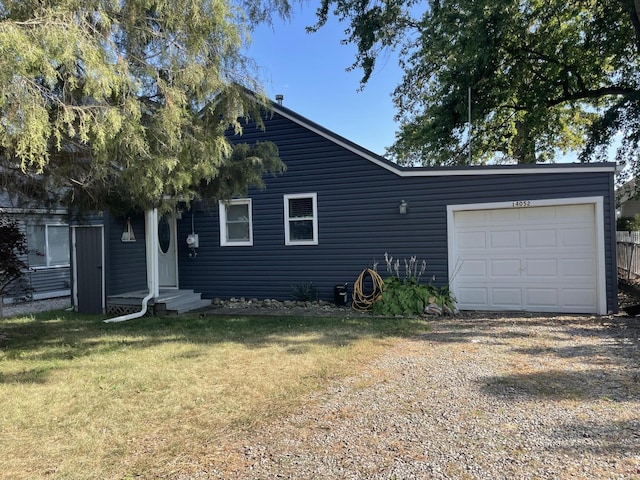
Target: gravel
{"type": "Point", "coordinates": [36, 306]}
{"type": "Point", "coordinates": [488, 397]}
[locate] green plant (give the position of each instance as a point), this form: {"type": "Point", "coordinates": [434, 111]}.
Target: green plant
{"type": "Point", "coordinates": [405, 295]}
{"type": "Point", "coordinates": [443, 298]}
{"type": "Point", "coordinates": [628, 224]}
{"type": "Point", "coordinates": [402, 297]}
{"type": "Point", "coordinates": [305, 292]}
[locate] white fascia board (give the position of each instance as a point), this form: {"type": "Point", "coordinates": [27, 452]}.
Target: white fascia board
{"type": "Point", "coordinates": [35, 211]}
{"type": "Point", "coordinates": [443, 171]}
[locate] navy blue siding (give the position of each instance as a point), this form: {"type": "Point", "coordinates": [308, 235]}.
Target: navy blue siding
{"type": "Point", "coordinates": [126, 261]}
{"type": "Point", "coordinates": [358, 219]}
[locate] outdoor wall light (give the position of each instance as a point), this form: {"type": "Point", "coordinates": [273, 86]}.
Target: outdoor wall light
{"type": "Point", "coordinates": [127, 233]}
{"type": "Point", "coordinates": [403, 208]}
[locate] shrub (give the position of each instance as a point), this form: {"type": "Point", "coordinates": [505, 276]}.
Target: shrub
{"type": "Point", "coordinates": [305, 292]}
{"type": "Point", "coordinates": [407, 296]}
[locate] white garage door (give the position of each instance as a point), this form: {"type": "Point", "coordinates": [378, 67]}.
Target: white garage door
{"type": "Point", "coordinates": [540, 259]}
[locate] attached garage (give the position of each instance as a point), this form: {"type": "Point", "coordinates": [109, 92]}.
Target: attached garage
{"type": "Point", "coordinates": [542, 256]}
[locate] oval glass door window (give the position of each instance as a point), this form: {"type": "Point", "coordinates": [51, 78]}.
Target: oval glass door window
{"type": "Point", "coordinates": [164, 234]}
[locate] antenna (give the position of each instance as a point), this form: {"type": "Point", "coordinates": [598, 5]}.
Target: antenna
{"type": "Point", "coordinates": [469, 111]}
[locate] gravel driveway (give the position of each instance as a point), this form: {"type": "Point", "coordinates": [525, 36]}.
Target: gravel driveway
{"type": "Point", "coordinates": [540, 397]}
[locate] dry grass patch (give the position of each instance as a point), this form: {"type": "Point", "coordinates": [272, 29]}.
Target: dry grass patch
{"type": "Point", "coordinates": [82, 399]}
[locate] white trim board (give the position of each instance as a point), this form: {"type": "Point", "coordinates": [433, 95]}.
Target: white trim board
{"type": "Point", "coordinates": [598, 202]}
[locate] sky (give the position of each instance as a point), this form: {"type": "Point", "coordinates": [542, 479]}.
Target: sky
{"type": "Point", "coordinates": [309, 69]}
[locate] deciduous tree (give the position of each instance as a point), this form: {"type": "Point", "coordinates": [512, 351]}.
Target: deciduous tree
{"type": "Point", "coordinates": [111, 102]}
{"type": "Point", "coordinates": [546, 76]}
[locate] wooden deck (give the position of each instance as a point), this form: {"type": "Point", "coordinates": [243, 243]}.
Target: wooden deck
{"type": "Point", "coordinates": [170, 301]}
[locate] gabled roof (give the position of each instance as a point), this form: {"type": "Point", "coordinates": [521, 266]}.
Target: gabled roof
{"type": "Point", "coordinates": [438, 171]}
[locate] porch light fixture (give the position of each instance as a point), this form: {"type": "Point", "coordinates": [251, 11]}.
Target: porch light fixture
{"type": "Point", "coordinates": [127, 233]}
{"type": "Point", "coordinates": [403, 208]}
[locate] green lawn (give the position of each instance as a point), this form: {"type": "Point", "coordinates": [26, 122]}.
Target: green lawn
{"type": "Point", "coordinates": [84, 399]}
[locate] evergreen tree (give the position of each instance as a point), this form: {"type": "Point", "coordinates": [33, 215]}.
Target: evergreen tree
{"type": "Point", "coordinates": [126, 102]}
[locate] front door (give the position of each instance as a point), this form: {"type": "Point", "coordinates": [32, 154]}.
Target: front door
{"type": "Point", "coordinates": [167, 252]}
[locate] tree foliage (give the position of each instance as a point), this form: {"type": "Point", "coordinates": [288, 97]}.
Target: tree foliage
{"type": "Point", "coordinates": [13, 246]}
{"type": "Point", "coordinates": [546, 76]}
{"type": "Point", "coordinates": [109, 102]}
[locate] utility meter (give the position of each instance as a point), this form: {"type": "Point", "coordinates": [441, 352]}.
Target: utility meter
{"type": "Point", "coordinates": [192, 240]}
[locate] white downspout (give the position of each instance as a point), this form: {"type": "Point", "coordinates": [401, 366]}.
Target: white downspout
{"type": "Point", "coordinates": [151, 243]}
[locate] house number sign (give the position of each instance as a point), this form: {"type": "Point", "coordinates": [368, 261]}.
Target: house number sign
{"type": "Point", "coordinates": [521, 203]}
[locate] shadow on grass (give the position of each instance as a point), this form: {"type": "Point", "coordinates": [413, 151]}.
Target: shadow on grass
{"type": "Point", "coordinates": [59, 337]}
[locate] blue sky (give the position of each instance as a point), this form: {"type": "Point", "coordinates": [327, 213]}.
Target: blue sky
{"type": "Point", "coordinates": [309, 70]}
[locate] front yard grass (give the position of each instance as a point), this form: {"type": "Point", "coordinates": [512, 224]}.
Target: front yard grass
{"type": "Point", "coordinates": [141, 399]}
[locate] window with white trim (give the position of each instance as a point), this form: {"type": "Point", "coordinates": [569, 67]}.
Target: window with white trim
{"type": "Point", "coordinates": [48, 245]}
{"type": "Point", "coordinates": [236, 226]}
{"type": "Point", "coordinates": [301, 219]}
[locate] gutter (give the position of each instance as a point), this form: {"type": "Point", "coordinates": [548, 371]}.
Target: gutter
{"type": "Point", "coordinates": [151, 239]}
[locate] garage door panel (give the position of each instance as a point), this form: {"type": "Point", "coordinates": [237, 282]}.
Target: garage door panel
{"type": "Point", "coordinates": [472, 240]}
{"type": "Point", "coordinates": [580, 268]}
{"type": "Point", "coordinates": [533, 258]}
{"type": "Point", "coordinates": [505, 239]}
{"type": "Point", "coordinates": [577, 237]}
{"type": "Point", "coordinates": [539, 215]}
{"type": "Point", "coordinates": [582, 213]}
{"type": "Point", "coordinates": [473, 269]}
{"type": "Point", "coordinates": [506, 267]}
{"type": "Point", "coordinates": [506, 297]}
{"type": "Point", "coordinates": [541, 268]}
{"type": "Point", "coordinates": [537, 298]}
{"type": "Point", "coordinates": [473, 296]}
{"type": "Point", "coordinates": [540, 238]}
{"type": "Point", "coordinates": [471, 218]}
{"type": "Point", "coordinates": [500, 216]}
{"type": "Point", "coordinates": [578, 297]}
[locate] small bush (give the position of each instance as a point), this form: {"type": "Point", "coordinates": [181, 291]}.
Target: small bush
{"type": "Point", "coordinates": [305, 292]}
{"type": "Point", "coordinates": [402, 297]}
{"type": "Point", "coordinates": [407, 296]}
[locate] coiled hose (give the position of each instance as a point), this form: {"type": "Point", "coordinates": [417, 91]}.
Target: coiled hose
{"type": "Point", "coordinates": [364, 301]}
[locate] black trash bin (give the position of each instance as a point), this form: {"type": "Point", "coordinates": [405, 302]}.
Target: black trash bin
{"type": "Point", "coordinates": [340, 295]}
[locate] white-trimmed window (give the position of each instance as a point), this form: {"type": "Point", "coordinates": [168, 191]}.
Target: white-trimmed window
{"type": "Point", "coordinates": [236, 227]}
{"type": "Point", "coordinates": [301, 219]}
{"type": "Point", "coordinates": [48, 245]}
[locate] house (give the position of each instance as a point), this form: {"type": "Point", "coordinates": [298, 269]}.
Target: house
{"type": "Point", "coordinates": [523, 237]}
{"type": "Point", "coordinates": [627, 200]}
{"type": "Point", "coordinates": [47, 234]}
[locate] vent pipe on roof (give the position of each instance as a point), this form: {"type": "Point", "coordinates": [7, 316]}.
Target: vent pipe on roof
{"type": "Point", "coordinates": [279, 98]}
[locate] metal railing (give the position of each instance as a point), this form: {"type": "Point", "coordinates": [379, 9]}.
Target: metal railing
{"type": "Point", "coordinates": [628, 250]}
